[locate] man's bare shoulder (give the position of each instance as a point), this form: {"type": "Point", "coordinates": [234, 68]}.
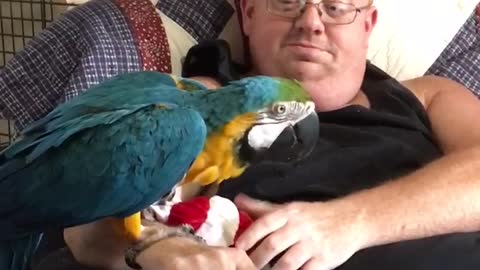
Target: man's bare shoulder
{"type": "Point", "coordinates": [426, 88]}
{"type": "Point", "coordinates": [452, 109]}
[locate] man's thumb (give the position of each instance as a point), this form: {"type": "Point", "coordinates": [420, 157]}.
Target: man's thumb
{"type": "Point", "coordinates": [254, 208]}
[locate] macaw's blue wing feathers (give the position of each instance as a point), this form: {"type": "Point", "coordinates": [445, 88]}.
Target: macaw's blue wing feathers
{"type": "Point", "coordinates": [55, 135]}
{"type": "Point", "coordinates": [188, 84]}
{"type": "Point", "coordinates": [112, 170]}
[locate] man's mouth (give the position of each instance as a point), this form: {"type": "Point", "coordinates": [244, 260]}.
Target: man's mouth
{"type": "Point", "coordinates": [307, 52]}
{"type": "Point", "coordinates": [304, 45]}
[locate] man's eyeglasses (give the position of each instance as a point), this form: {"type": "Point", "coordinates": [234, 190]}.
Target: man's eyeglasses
{"type": "Point", "coordinates": [331, 12]}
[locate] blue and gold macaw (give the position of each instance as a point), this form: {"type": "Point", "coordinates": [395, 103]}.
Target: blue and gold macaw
{"type": "Point", "coordinates": [127, 142]}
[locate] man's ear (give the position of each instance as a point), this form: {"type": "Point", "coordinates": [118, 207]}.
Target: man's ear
{"type": "Point", "coordinates": [247, 10]}
{"type": "Point", "coordinates": [371, 20]}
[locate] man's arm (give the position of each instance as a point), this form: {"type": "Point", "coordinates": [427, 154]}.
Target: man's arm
{"type": "Point", "coordinates": [97, 245]}
{"type": "Point", "coordinates": [444, 196]}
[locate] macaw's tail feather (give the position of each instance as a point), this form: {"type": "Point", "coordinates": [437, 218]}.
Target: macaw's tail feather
{"type": "Point", "coordinates": [129, 227]}
{"type": "Point", "coordinates": [16, 254]}
{"type": "Point", "coordinates": [133, 226]}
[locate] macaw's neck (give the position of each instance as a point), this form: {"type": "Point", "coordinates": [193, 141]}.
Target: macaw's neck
{"type": "Point", "coordinates": [219, 158]}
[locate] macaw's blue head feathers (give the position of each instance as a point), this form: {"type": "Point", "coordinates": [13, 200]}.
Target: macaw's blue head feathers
{"type": "Point", "coordinates": [263, 96]}
{"type": "Point", "coordinates": [262, 92]}
{"type": "Point", "coordinates": [275, 89]}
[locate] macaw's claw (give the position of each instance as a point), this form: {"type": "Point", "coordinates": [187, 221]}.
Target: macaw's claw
{"type": "Point", "coordinates": [190, 233]}
{"type": "Point", "coordinates": [155, 231]}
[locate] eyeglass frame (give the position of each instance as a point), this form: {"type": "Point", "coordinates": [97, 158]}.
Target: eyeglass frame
{"type": "Point", "coordinates": [355, 9]}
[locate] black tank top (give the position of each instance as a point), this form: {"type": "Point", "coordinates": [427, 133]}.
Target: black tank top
{"type": "Point", "coordinates": [357, 147]}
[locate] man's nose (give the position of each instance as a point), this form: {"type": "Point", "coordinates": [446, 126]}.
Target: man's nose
{"type": "Point", "coordinates": [310, 20]}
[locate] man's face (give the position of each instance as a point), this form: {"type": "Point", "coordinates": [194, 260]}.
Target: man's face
{"type": "Point", "coordinates": [305, 48]}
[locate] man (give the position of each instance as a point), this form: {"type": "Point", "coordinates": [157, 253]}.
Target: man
{"type": "Point", "coordinates": [324, 46]}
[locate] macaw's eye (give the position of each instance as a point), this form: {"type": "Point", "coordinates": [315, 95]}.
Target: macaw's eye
{"type": "Point", "coordinates": [279, 109]}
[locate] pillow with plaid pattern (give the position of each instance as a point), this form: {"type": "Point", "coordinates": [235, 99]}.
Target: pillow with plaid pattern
{"type": "Point", "coordinates": [181, 25]}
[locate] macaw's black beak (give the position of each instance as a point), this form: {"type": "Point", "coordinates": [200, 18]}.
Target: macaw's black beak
{"type": "Point", "coordinates": [294, 144]}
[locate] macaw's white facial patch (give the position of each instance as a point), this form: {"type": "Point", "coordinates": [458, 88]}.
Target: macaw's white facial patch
{"type": "Point", "coordinates": [263, 136]}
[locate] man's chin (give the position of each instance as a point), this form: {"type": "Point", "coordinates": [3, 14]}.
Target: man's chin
{"type": "Point", "coordinates": [308, 71]}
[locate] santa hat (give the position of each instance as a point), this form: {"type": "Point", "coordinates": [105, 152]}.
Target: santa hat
{"type": "Point", "coordinates": [215, 219]}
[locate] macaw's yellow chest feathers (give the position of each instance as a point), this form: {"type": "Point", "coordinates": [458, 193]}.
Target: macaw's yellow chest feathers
{"type": "Point", "coordinates": [219, 159]}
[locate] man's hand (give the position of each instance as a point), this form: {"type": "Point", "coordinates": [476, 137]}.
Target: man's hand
{"type": "Point", "coordinates": [183, 253]}
{"type": "Point", "coordinates": [98, 246]}
{"type": "Point", "coordinates": [300, 235]}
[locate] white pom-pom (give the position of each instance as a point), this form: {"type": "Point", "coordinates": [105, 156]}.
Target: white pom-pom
{"type": "Point", "coordinates": [222, 221]}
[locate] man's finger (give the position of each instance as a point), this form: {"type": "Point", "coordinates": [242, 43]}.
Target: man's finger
{"type": "Point", "coordinates": [254, 208]}
{"type": "Point", "coordinates": [242, 261]}
{"type": "Point", "coordinates": [315, 263]}
{"type": "Point", "coordinates": [294, 258]}
{"type": "Point", "coordinates": [260, 229]}
{"type": "Point", "coordinates": [273, 246]}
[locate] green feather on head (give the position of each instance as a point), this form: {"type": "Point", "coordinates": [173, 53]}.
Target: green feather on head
{"type": "Point", "coordinates": [292, 90]}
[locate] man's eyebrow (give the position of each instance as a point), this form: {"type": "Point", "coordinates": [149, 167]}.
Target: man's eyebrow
{"type": "Point", "coordinates": [358, 3]}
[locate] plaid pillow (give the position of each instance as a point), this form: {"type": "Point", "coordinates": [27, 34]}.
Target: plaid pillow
{"type": "Point", "coordinates": [87, 45]}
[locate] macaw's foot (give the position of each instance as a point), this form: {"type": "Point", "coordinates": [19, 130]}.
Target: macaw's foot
{"type": "Point", "coordinates": [155, 231]}
{"type": "Point", "coordinates": [190, 233]}
{"type": "Point", "coordinates": [152, 233]}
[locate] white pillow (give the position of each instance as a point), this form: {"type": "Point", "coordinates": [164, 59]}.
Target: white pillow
{"type": "Point", "coordinates": [411, 34]}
